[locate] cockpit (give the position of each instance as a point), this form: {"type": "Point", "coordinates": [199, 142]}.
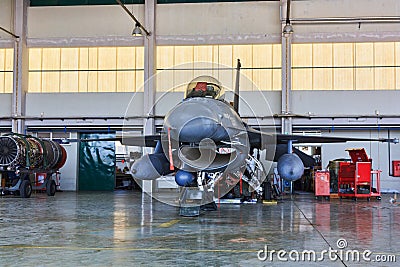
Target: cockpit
{"type": "Point", "coordinates": [205, 86]}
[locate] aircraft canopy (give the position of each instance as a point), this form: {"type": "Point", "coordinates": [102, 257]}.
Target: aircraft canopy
{"type": "Point", "coordinates": [204, 86]}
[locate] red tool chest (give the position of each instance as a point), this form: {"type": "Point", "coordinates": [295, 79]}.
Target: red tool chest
{"type": "Point", "coordinates": [355, 179]}
{"type": "Point", "coordinates": [396, 168]}
{"type": "Point", "coordinates": [322, 184]}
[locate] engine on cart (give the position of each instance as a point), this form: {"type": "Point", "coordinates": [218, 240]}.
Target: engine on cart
{"type": "Point", "coordinates": [24, 158]}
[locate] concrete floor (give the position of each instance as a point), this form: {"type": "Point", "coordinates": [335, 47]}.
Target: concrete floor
{"type": "Point", "coordinates": [127, 229]}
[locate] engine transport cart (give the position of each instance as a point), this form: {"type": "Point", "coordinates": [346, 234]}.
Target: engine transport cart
{"type": "Point", "coordinates": [355, 179]}
{"type": "Point", "coordinates": [29, 163]}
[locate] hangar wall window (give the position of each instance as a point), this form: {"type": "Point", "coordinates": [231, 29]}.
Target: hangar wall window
{"type": "Point", "coordinates": [86, 69]}
{"type": "Point", "coordinates": [260, 63]}
{"type": "Point", "coordinates": [6, 70]}
{"type": "Point", "coordinates": [346, 66]}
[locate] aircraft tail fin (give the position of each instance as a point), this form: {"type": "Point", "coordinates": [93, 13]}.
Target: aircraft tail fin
{"type": "Point", "coordinates": [236, 96]}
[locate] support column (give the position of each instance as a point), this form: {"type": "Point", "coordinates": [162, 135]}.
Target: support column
{"type": "Point", "coordinates": [286, 79]}
{"type": "Point", "coordinates": [150, 61]}
{"type": "Point", "coordinates": [20, 74]}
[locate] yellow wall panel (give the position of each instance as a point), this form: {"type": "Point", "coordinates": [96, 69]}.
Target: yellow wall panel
{"type": "Point", "coordinates": [35, 58]}
{"type": "Point", "coordinates": [107, 81]}
{"type": "Point", "coordinates": [8, 82]}
{"type": "Point", "coordinates": [165, 80]}
{"type": "Point", "coordinates": [69, 79]}
{"type": "Point", "coordinates": [35, 82]}
{"type": "Point", "coordinates": [364, 54]}
{"type": "Point", "coordinates": [276, 79]}
{"type": "Point", "coordinates": [302, 55]}
{"type": "Point", "coordinates": [203, 53]}
{"type": "Point", "coordinates": [2, 69]}
{"type": "Point", "coordinates": [182, 79]}
{"type": "Point", "coordinates": [364, 79]}
{"type": "Point", "coordinates": [302, 79]}
{"type": "Point", "coordinates": [165, 57]}
{"type": "Point", "coordinates": [2, 59]}
{"type": "Point", "coordinates": [51, 58]}
{"type": "Point", "coordinates": [92, 79]}
{"type": "Point", "coordinates": [322, 55]}
{"type": "Point", "coordinates": [107, 64]}
{"type": "Point", "coordinates": [225, 55]}
{"type": "Point", "coordinates": [203, 60]}
{"type": "Point", "coordinates": [343, 54]}
{"type": "Point", "coordinates": [215, 60]}
{"type": "Point", "coordinates": [276, 56]}
{"type": "Point", "coordinates": [2, 81]}
{"type": "Point", "coordinates": [245, 54]}
{"type": "Point", "coordinates": [139, 81]}
{"type": "Point", "coordinates": [262, 79]}
{"type": "Point", "coordinates": [262, 56]}
{"type": "Point", "coordinates": [126, 58]}
{"type": "Point", "coordinates": [227, 78]}
{"type": "Point", "coordinates": [126, 81]}
{"type": "Point", "coordinates": [384, 54]}
{"type": "Point", "coordinates": [140, 57]}
{"type": "Point", "coordinates": [385, 78]}
{"type": "Point", "coordinates": [397, 63]}
{"type": "Point", "coordinates": [343, 79]}
{"type": "Point", "coordinates": [69, 58]}
{"type": "Point", "coordinates": [107, 58]}
{"type": "Point", "coordinates": [183, 55]}
{"type": "Point", "coordinates": [83, 67]}
{"type": "Point", "coordinates": [322, 79]}
{"type": "Point", "coordinates": [50, 82]}
{"type": "Point", "coordinates": [9, 63]}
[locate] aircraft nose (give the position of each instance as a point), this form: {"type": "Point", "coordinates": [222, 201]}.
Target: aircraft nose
{"type": "Point", "coordinates": [192, 121]}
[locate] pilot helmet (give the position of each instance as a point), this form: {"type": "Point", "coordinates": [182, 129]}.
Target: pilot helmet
{"type": "Point", "coordinates": [204, 86]}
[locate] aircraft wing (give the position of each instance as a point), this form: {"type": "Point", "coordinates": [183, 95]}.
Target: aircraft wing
{"type": "Point", "coordinates": [261, 139]}
{"type": "Point", "coordinates": [141, 140]}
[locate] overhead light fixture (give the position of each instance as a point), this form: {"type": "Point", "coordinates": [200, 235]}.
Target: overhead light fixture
{"type": "Point", "coordinates": [137, 31]}
{"type": "Point", "coordinates": [138, 27]}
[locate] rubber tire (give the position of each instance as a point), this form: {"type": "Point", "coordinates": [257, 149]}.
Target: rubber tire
{"type": "Point", "coordinates": [25, 190]}
{"type": "Point", "coordinates": [378, 198]}
{"type": "Point", "coordinates": [51, 188]}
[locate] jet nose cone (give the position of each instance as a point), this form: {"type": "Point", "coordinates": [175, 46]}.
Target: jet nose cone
{"type": "Point", "coordinates": [193, 120]}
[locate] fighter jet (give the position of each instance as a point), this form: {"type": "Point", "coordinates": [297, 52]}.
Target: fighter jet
{"type": "Point", "coordinates": [204, 141]}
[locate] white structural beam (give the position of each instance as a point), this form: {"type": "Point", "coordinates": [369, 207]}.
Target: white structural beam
{"type": "Point", "coordinates": [21, 74]}
{"type": "Point", "coordinates": [287, 35]}
{"type": "Point", "coordinates": [150, 62]}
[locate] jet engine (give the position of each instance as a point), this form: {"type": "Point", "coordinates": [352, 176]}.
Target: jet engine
{"type": "Point", "coordinates": [27, 152]}
{"type": "Point", "coordinates": [290, 167]}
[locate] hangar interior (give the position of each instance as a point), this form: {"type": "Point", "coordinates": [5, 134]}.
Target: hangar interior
{"type": "Point", "coordinates": [76, 68]}
{"type": "Point", "coordinates": [73, 69]}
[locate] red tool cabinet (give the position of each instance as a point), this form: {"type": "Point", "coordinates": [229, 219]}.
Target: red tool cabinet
{"type": "Point", "coordinates": [322, 184]}
{"type": "Point", "coordinates": [396, 168]}
{"type": "Point", "coordinates": [355, 179]}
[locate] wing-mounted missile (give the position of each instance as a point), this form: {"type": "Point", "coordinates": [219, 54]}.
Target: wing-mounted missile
{"type": "Point", "coordinates": [150, 167]}
{"type": "Point", "coordinates": [28, 152]}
